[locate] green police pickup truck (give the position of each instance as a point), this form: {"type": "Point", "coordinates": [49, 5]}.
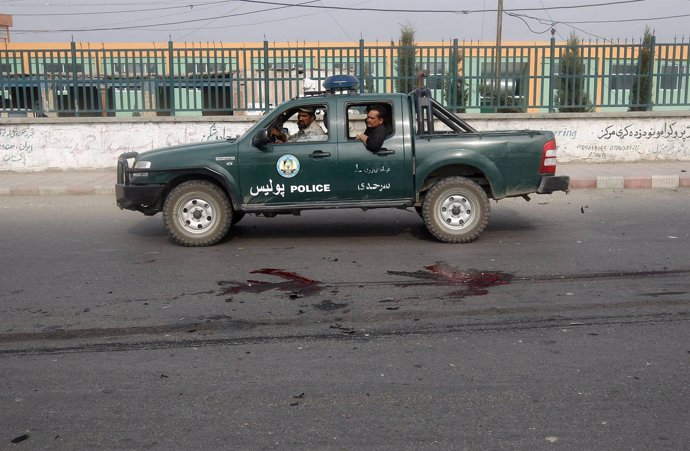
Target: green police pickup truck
{"type": "Point", "coordinates": [430, 160]}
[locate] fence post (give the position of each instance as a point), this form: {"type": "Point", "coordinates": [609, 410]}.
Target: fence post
{"type": "Point", "coordinates": [552, 60]}
{"type": "Point", "coordinates": [171, 79]}
{"type": "Point", "coordinates": [455, 79]}
{"type": "Point", "coordinates": [267, 85]}
{"type": "Point", "coordinates": [75, 79]}
{"type": "Point", "coordinates": [497, 80]}
{"type": "Point", "coordinates": [362, 73]}
{"type": "Point", "coordinates": [652, 47]}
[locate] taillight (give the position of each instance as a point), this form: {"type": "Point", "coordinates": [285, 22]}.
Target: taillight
{"type": "Point", "coordinates": [548, 158]}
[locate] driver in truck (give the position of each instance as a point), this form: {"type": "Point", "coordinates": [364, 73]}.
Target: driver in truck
{"type": "Point", "coordinates": [309, 129]}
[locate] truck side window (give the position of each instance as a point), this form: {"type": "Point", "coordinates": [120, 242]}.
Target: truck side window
{"type": "Point", "coordinates": [301, 124]}
{"type": "Point", "coordinates": [357, 113]}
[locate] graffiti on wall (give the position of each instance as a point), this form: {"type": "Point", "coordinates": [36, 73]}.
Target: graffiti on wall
{"type": "Point", "coordinates": [216, 133]}
{"type": "Point", "coordinates": [98, 145]}
{"type": "Point", "coordinates": [609, 140]}
{"type": "Point", "coordinates": [16, 143]}
{"type": "Point", "coordinates": [668, 131]}
{"type": "Point", "coordinates": [37, 147]}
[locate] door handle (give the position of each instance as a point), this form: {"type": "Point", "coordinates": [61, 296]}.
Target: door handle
{"type": "Point", "coordinates": [382, 152]}
{"type": "Point", "coordinates": [319, 154]}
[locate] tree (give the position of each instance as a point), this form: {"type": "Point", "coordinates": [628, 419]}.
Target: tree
{"type": "Point", "coordinates": [455, 101]}
{"type": "Point", "coordinates": [368, 79]}
{"type": "Point", "coordinates": [572, 96]}
{"type": "Point", "coordinates": [456, 97]}
{"type": "Point", "coordinates": [639, 96]}
{"type": "Point", "coordinates": [406, 63]}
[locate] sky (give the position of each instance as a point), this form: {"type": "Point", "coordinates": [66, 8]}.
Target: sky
{"type": "Point", "coordinates": [236, 21]}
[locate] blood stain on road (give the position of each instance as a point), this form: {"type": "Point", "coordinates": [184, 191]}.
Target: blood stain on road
{"type": "Point", "coordinates": [476, 282]}
{"type": "Point", "coordinates": [292, 283]}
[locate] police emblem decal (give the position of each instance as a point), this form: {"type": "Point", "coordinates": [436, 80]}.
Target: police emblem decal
{"type": "Point", "coordinates": [288, 166]}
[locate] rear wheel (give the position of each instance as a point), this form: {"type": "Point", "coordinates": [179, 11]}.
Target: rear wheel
{"type": "Point", "coordinates": [456, 210]}
{"type": "Point", "coordinates": [197, 213]}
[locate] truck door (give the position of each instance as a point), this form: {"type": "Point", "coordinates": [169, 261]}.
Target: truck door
{"type": "Point", "coordinates": [294, 172]}
{"type": "Point", "coordinates": [372, 175]}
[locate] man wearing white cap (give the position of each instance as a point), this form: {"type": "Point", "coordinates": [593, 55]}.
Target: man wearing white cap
{"type": "Point", "coordinates": [309, 129]}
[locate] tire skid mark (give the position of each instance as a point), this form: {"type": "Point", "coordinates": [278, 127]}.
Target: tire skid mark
{"type": "Point", "coordinates": [429, 330]}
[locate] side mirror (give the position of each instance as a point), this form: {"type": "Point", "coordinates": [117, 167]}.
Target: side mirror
{"type": "Point", "coordinates": [261, 138]}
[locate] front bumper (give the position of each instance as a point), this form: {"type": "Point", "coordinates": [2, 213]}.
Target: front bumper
{"type": "Point", "coordinates": [552, 183]}
{"type": "Point", "coordinates": [143, 198]}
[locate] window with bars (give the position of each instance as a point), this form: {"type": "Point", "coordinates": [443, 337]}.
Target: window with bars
{"type": "Point", "coordinates": [622, 76]}
{"type": "Point", "coordinates": [205, 68]}
{"type": "Point", "coordinates": [672, 77]}
{"type": "Point", "coordinates": [63, 68]}
{"type": "Point", "coordinates": [134, 69]}
{"type": "Point", "coordinates": [6, 68]}
{"type": "Point", "coordinates": [510, 78]}
{"type": "Point", "coordinates": [286, 66]}
{"type": "Point", "coordinates": [435, 74]}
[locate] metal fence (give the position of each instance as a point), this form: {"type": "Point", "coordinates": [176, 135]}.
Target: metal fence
{"type": "Point", "coordinates": [181, 80]}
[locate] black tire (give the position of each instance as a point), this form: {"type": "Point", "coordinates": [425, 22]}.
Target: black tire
{"type": "Point", "coordinates": [197, 213]}
{"type": "Point", "coordinates": [456, 210]}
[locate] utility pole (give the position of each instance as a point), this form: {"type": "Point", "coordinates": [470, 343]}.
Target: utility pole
{"type": "Point", "coordinates": [497, 65]}
{"type": "Point", "coordinates": [499, 23]}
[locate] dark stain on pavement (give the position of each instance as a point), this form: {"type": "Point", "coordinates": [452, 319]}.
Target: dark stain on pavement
{"type": "Point", "coordinates": [472, 283]}
{"type": "Point", "coordinates": [293, 283]}
{"type": "Point", "coordinates": [475, 283]}
{"type": "Point", "coordinates": [329, 306]}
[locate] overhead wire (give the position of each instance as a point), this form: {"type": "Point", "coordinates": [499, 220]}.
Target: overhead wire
{"type": "Point", "coordinates": [456, 11]}
{"type": "Point", "coordinates": [105, 28]}
{"type": "Point", "coordinates": [571, 23]}
{"type": "Point", "coordinates": [513, 12]}
{"type": "Point", "coordinates": [322, 6]}
{"type": "Point", "coordinates": [123, 11]}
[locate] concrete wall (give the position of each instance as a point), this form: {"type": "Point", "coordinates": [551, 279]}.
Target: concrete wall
{"type": "Point", "coordinates": [39, 144]}
{"type": "Point", "coordinates": [605, 137]}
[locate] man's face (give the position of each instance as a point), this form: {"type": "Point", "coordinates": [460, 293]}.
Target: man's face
{"type": "Point", "coordinates": [373, 119]}
{"type": "Point", "coordinates": [304, 120]}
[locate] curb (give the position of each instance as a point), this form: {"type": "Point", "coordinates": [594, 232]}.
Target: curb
{"type": "Point", "coordinates": [629, 182]}
{"type": "Point", "coordinates": [96, 190]}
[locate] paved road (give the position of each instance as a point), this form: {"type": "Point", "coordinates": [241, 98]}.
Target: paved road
{"type": "Point", "coordinates": [566, 324]}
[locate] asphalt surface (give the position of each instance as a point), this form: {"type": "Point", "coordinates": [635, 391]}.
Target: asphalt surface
{"type": "Point", "coordinates": [564, 326]}
{"type": "Point", "coordinates": [639, 175]}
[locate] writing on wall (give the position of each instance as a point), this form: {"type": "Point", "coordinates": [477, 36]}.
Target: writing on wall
{"type": "Point", "coordinates": [217, 133]}
{"type": "Point", "coordinates": [40, 146]}
{"type": "Point", "coordinates": [607, 139]}
{"type": "Point", "coordinates": [98, 145]}
{"type": "Point", "coordinates": [668, 131]}
{"type": "Point", "coordinates": [640, 139]}
{"type": "Point", "coordinates": [16, 143]}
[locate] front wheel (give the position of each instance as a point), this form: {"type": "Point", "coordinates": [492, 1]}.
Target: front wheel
{"type": "Point", "coordinates": [456, 210]}
{"type": "Point", "coordinates": [197, 213]}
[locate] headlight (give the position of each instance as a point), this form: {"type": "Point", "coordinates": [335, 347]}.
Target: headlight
{"type": "Point", "coordinates": [141, 165]}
